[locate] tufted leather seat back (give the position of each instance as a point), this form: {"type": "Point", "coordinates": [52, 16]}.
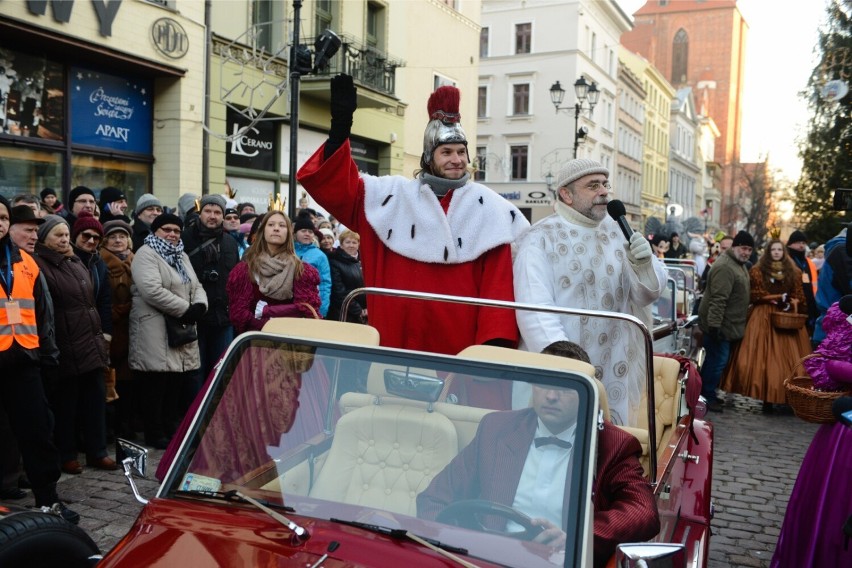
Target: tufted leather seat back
{"type": "Point", "coordinates": [383, 455]}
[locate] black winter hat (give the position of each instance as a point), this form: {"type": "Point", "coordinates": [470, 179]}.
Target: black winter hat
{"type": "Point", "coordinates": [165, 219]}
{"type": "Point", "coordinates": [109, 195]}
{"type": "Point", "coordinates": [743, 239]}
{"type": "Point", "coordinates": [47, 191]}
{"type": "Point", "coordinates": [302, 222]}
{"type": "Point", "coordinates": [77, 192]}
{"type": "Point", "coordinates": [797, 237]}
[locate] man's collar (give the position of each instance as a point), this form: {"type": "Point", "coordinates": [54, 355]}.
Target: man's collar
{"type": "Point", "coordinates": [573, 216]}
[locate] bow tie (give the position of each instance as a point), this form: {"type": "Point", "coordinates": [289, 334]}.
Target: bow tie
{"type": "Point", "coordinates": [539, 442]}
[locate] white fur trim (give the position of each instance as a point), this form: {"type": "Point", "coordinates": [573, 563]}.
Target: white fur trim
{"type": "Point", "coordinates": [410, 221]}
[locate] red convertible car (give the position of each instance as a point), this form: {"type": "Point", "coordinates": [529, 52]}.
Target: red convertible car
{"type": "Point", "coordinates": [313, 446]}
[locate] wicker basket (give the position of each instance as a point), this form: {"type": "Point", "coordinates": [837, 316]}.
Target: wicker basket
{"type": "Point", "coordinates": [787, 321]}
{"type": "Point", "coordinates": [811, 405]}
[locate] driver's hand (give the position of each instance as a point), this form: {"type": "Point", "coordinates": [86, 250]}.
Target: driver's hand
{"type": "Point", "coordinates": [551, 535]}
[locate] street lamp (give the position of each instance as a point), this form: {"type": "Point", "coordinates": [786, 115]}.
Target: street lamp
{"type": "Point", "coordinates": [584, 92]}
{"type": "Point", "coordinates": [666, 212]}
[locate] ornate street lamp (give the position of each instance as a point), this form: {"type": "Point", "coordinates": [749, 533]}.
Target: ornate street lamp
{"type": "Point", "coordinates": [584, 92]}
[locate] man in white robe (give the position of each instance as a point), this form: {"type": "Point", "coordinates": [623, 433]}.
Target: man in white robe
{"type": "Point", "coordinates": [579, 258]}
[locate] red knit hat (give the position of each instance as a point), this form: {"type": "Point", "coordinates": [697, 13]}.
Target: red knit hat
{"type": "Point", "coordinates": [86, 221]}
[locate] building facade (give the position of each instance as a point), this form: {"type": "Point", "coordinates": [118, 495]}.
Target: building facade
{"type": "Point", "coordinates": [100, 95]}
{"type": "Point", "coordinates": [525, 48]}
{"type": "Point", "coordinates": [655, 138]}
{"type": "Point", "coordinates": [701, 44]}
{"type": "Point", "coordinates": [685, 167]}
{"type": "Point", "coordinates": [630, 119]}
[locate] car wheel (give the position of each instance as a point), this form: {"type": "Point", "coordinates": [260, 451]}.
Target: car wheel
{"type": "Point", "coordinates": [42, 539]}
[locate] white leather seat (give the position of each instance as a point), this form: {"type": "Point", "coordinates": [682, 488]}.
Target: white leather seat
{"type": "Point", "coordinates": [384, 455]}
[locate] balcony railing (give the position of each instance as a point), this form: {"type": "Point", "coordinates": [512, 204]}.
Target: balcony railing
{"type": "Point", "coordinates": [367, 65]}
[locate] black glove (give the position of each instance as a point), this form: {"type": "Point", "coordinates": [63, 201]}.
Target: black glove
{"type": "Point", "coordinates": [715, 334]}
{"type": "Point", "coordinates": [344, 101]}
{"type": "Point", "coordinates": [193, 313]}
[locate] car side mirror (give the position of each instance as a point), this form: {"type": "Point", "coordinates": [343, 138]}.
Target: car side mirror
{"type": "Point", "coordinates": [134, 459]}
{"type": "Point", "coordinates": [650, 555]}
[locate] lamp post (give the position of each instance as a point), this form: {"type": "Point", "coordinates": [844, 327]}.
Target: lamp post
{"type": "Point", "coordinates": [666, 212]}
{"type": "Point", "coordinates": [584, 92]}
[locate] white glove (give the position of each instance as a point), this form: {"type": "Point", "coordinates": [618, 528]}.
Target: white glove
{"type": "Point", "coordinates": [258, 309]}
{"type": "Point", "coordinates": [639, 249]}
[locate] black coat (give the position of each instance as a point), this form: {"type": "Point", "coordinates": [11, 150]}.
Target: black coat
{"type": "Point", "coordinates": [346, 275]}
{"type": "Point", "coordinates": [212, 263]}
{"type": "Point", "coordinates": [141, 229]}
{"type": "Point", "coordinates": [82, 346]}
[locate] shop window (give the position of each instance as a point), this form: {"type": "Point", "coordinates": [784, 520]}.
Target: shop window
{"type": "Point", "coordinates": [134, 178]}
{"type": "Point", "coordinates": [33, 90]}
{"type": "Point", "coordinates": [24, 170]}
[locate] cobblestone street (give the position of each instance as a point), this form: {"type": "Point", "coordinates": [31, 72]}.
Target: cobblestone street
{"type": "Point", "coordinates": [756, 462]}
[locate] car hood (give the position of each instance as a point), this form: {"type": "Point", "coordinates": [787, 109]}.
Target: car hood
{"type": "Point", "coordinates": [172, 532]}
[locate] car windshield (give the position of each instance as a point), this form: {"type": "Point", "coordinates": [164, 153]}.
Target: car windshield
{"type": "Point", "coordinates": [376, 436]}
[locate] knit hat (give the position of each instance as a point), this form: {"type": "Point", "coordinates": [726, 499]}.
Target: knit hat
{"type": "Point", "coordinates": [165, 219]}
{"type": "Point", "coordinates": [797, 237]}
{"type": "Point", "coordinates": [47, 191]}
{"type": "Point", "coordinates": [577, 168]}
{"type": "Point", "coordinates": [86, 221]}
{"type": "Point", "coordinates": [50, 221]}
{"type": "Point", "coordinates": [303, 222]}
{"type": "Point", "coordinates": [213, 199]}
{"type": "Point", "coordinates": [24, 214]}
{"type": "Point", "coordinates": [145, 201]}
{"type": "Point", "coordinates": [186, 203]}
{"type": "Point", "coordinates": [77, 192]}
{"type": "Point", "coordinates": [248, 217]}
{"type": "Point", "coordinates": [117, 225]}
{"type": "Point", "coordinates": [743, 239]}
{"type": "Point", "coordinates": [109, 195]}
{"type": "Point", "coordinates": [444, 122]}
{"type": "Point", "coordinates": [327, 233]}
{"type": "Point", "coordinates": [230, 211]}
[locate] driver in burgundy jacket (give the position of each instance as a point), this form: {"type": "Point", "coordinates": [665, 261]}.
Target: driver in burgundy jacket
{"type": "Point", "coordinates": [522, 459]}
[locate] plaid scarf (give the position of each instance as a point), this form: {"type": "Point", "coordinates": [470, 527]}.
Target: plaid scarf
{"type": "Point", "coordinates": [172, 254]}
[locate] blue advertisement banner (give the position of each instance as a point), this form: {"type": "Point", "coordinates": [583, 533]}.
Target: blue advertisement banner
{"type": "Point", "coordinates": [111, 112]}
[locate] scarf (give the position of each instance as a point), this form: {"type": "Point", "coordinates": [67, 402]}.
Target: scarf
{"type": "Point", "coordinates": [275, 276]}
{"type": "Point", "coordinates": [210, 252]}
{"type": "Point", "coordinates": [172, 254]}
{"type": "Point", "coordinates": [776, 271]}
{"type": "Point", "coordinates": [441, 186]}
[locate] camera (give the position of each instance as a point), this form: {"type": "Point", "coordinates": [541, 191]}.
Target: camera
{"type": "Point", "coordinates": [211, 275]}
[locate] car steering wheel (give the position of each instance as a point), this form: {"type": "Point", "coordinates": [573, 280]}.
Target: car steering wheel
{"type": "Point", "coordinates": [467, 514]}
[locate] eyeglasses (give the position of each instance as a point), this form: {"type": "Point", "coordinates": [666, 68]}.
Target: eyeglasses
{"type": "Point", "coordinates": [90, 237]}
{"type": "Point", "coordinates": [117, 237]}
{"type": "Point", "coordinates": [169, 231]}
{"type": "Point", "coordinates": [596, 186]}
{"type": "Point", "coordinates": [231, 218]}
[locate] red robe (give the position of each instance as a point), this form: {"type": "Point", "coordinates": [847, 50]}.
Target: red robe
{"type": "Point", "coordinates": [438, 327]}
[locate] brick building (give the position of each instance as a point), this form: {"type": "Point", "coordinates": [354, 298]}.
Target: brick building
{"type": "Point", "coordinates": [701, 44]}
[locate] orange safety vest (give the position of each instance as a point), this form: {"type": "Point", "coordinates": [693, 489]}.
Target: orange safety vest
{"type": "Point", "coordinates": [813, 274]}
{"type": "Point", "coordinates": [26, 332]}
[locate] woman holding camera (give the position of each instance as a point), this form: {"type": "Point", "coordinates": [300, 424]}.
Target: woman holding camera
{"type": "Point", "coordinates": [164, 286]}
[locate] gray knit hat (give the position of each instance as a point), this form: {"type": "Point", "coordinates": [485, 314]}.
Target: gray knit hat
{"type": "Point", "coordinates": [186, 203]}
{"type": "Point", "coordinates": [577, 168]}
{"type": "Point", "coordinates": [214, 199]}
{"type": "Point", "coordinates": [50, 221]}
{"type": "Point", "coordinates": [145, 201]}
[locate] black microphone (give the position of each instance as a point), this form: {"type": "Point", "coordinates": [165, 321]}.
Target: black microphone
{"type": "Point", "coordinates": [616, 210]}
